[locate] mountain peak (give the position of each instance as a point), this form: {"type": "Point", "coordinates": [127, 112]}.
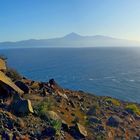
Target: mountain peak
{"type": "Point", "coordinates": [72, 36]}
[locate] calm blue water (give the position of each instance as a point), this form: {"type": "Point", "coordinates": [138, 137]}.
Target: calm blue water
{"type": "Point", "coordinates": [103, 71]}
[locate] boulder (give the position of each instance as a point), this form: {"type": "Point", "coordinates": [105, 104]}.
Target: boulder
{"type": "Point", "coordinates": [6, 136]}
{"type": "Point", "coordinates": [53, 115]}
{"type": "Point", "coordinates": [65, 126]}
{"type": "Point", "coordinates": [114, 121]}
{"type": "Point", "coordinates": [35, 85]}
{"type": "Point", "coordinates": [52, 82]}
{"type": "Point", "coordinates": [22, 86]}
{"type": "Point", "coordinates": [7, 83]}
{"type": "Point", "coordinates": [63, 95]}
{"type": "Point", "coordinates": [49, 132]}
{"type": "Point", "coordinates": [81, 129]}
{"type": "Point", "coordinates": [22, 107]}
{"type": "Point", "coordinates": [91, 111]}
{"type": "Point", "coordinates": [78, 131]}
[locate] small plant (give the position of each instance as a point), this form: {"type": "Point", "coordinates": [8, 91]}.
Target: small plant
{"type": "Point", "coordinates": [113, 101]}
{"type": "Point", "coordinates": [43, 107]}
{"type": "Point", "coordinates": [56, 124]}
{"type": "Point", "coordinates": [132, 108]}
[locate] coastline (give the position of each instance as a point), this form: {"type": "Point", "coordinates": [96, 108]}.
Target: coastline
{"type": "Point", "coordinates": [44, 110]}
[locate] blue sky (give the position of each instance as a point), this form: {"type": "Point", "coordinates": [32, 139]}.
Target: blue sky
{"type": "Point", "coordinates": [26, 19]}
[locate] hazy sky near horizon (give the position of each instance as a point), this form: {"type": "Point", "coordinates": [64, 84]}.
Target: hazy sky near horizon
{"type": "Point", "coordinates": [39, 19]}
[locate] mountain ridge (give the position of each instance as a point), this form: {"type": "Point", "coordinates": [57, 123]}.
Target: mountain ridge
{"type": "Point", "coordinates": [72, 40]}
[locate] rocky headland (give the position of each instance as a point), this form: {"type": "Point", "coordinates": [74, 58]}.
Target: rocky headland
{"type": "Point", "coordinates": [45, 111]}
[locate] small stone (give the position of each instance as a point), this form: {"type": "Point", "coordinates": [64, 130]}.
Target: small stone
{"type": "Point", "coordinates": [99, 128]}
{"type": "Point", "coordinates": [94, 120]}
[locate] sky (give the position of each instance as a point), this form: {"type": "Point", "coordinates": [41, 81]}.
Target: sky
{"type": "Point", "coordinates": [43, 19]}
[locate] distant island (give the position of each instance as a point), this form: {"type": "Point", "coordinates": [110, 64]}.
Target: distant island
{"type": "Point", "coordinates": [72, 40]}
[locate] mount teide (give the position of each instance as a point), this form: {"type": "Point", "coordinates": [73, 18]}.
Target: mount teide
{"type": "Point", "coordinates": [72, 40]}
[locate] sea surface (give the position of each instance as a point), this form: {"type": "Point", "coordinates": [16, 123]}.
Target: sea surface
{"type": "Point", "coordinates": [102, 71]}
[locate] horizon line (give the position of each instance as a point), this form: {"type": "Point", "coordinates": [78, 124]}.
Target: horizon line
{"type": "Point", "coordinates": [69, 34]}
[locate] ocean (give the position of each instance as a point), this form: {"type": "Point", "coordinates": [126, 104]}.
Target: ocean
{"type": "Point", "coordinates": [104, 71]}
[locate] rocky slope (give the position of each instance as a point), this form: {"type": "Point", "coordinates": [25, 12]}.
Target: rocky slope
{"type": "Point", "coordinates": [45, 111]}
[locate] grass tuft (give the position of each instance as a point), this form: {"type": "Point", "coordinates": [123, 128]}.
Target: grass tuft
{"type": "Point", "coordinates": [133, 109]}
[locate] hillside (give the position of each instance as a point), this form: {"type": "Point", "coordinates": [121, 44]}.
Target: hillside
{"type": "Point", "coordinates": [71, 40]}
{"type": "Point", "coordinates": [44, 110]}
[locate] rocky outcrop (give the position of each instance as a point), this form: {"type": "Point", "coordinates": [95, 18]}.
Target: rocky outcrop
{"type": "Point", "coordinates": [22, 86]}
{"type": "Point", "coordinates": [81, 129]}
{"type": "Point", "coordinates": [22, 107]}
{"type": "Point", "coordinates": [7, 84]}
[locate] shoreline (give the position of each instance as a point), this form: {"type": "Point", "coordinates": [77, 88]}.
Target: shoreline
{"type": "Point", "coordinates": [44, 110]}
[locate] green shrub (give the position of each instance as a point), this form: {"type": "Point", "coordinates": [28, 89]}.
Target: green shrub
{"type": "Point", "coordinates": [43, 107]}
{"type": "Point", "coordinates": [113, 101]}
{"type": "Point", "coordinates": [133, 109]}
{"type": "Point", "coordinates": [13, 74]}
{"type": "Point", "coordinates": [56, 124]}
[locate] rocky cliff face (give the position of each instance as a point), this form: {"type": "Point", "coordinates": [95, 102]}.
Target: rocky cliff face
{"type": "Point", "coordinates": [44, 110]}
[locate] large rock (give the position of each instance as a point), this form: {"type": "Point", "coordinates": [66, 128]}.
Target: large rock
{"type": "Point", "coordinates": [6, 136]}
{"type": "Point", "coordinates": [22, 107]}
{"type": "Point", "coordinates": [114, 121]}
{"type": "Point", "coordinates": [78, 131]}
{"type": "Point", "coordinates": [92, 111]}
{"type": "Point", "coordinates": [81, 129]}
{"type": "Point", "coordinates": [49, 132]}
{"type": "Point", "coordinates": [22, 86]}
{"type": "Point", "coordinates": [7, 83]}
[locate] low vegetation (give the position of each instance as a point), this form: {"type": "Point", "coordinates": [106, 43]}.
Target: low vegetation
{"type": "Point", "coordinates": [133, 109]}
{"type": "Point", "coordinates": [113, 101]}
{"type": "Point", "coordinates": [43, 107]}
{"type": "Point", "coordinates": [56, 124]}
